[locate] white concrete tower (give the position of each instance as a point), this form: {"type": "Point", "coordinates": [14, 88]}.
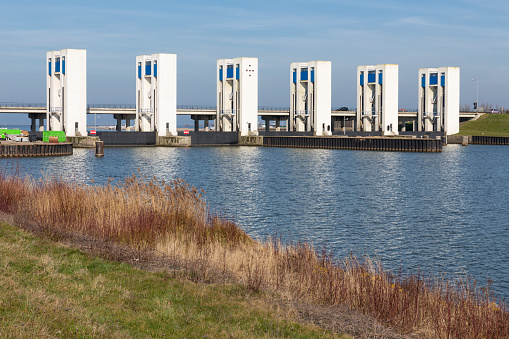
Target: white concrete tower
{"type": "Point", "coordinates": [156, 93]}
{"type": "Point", "coordinates": [310, 97]}
{"type": "Point", "coordinates": [439, 100]}
{"type": "Point", "coordinates": [66, 91]}
{"type": "Point", "coordinates": [377, 99]}
{"type": "Point", "coordinates": [237, 95]}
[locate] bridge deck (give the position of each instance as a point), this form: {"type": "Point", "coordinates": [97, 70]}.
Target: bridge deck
{"type": "Point", "coordinates": [199, 111]}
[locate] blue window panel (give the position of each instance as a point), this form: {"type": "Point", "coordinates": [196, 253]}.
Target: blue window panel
{"type": "Point", "coordinates": [63, 66]}
{"type": "Point", "coordinates": [49, 67]}
{"type": "Point", "coordinates": [380, 78]}
{"type": "Point", "coordinates": [303, 75]}
{"type": "Point", "coordinates": [57, 65]}
{"type": "Point", "coordinates": [362, 79]}
{"type": "Point", "coordinates": [229, 72]}
{"type": "Point", "coordinates": [371, 77]}
{"type": "Point", "coordinates": [148, 70]}
{"type": "Point", "coordinates": [155, 70]}
{"type": "Point", "coordinates": [423, 81]}
{"type": "Point", "coordinates": [237, 72]}
{"type": "Point", "coordinates": [433, 79]}
{"type": "Point", "coordinates": [442, 80]}
{"type": "Point", "coordinates": [220, 74]}
{"type": "Point", "coordinates": [294, 77]}
{"type": "Point", "coordinates": [312, 76]}
{"type": "Point", "coordinates": [139, 71]}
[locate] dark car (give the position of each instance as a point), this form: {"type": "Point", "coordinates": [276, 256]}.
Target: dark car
{"type": "Point", "coordinates": [342, 109]}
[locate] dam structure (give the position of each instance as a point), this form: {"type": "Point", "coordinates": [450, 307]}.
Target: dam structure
{"type": "Point", "coordinates": [236, 115]}
{"type": "Point", "coordinates": [377, 99]}
{"type": "Point", "coordinates": [310, 97]}
{"type": "Point", "coordinates": [237, 96]}
{"type": "Point", "coordinates": [66, 92]}
{"type": "Point", "coordinates": [156, 94]}
{"type": "Point", "coordinates": [439, 96]}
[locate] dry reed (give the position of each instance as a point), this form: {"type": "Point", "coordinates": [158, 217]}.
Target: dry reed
{"type": "Point", "coordinates": [172, 218]}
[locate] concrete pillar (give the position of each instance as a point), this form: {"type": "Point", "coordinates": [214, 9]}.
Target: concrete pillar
{"type": "Point", "coordinates": [33, 126]}
{"type": "Point", "coordinates": [196, 123]}
{"type": "Point", "coordinates": [278, 124]}
{"type": "Point", "coordinates": [119, 124]}
{"type": "Point", "coordinates": [206, 124]}
{"type": "Point", "coordinates": [127, 125]}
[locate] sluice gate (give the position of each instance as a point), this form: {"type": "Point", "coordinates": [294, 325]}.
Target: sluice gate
{"type": "Point", "coordinates": [370, 144]}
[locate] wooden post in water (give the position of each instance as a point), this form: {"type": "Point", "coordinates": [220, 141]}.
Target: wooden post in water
{"type": "Point", "coordinates": [465, 140]}
{"type": "Point", "coordinates": [99, 148]}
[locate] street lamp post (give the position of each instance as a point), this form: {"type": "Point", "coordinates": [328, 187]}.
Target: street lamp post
{"type": "Point", "coordinates": [477, 96]}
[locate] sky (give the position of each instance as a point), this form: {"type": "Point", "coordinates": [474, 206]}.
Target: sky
{"type": "Point", "coordinates": [472, 35]}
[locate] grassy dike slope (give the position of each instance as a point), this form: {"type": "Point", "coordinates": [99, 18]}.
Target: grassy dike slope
{"type": "Point", "coordinates": [49, 290]}
{"type": "Point", "coordinates": [492, 125]}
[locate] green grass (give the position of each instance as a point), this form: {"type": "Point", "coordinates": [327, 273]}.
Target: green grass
{"type": "Point", "coordinates": [49, 290]}
{"type": "Point", "coordinates": [492, 125]}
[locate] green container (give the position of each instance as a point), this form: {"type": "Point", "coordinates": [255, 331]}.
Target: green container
{"type": "Point", "coordinates": [59, 134]}
{"type": "Point", "coordinates": [7, 131]}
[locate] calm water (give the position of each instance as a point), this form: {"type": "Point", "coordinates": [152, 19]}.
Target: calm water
{"type": "Point", "coordinates": [439, 213]}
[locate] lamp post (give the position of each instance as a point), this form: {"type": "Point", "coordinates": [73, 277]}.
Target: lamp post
{"type": "Point", "coordinates": [477, 96]}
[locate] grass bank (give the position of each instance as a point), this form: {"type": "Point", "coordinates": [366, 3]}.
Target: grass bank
{"type": "Point", "coordinates": [172, 220]}
{"type": "Point", "coordinates": [48, 290]}
{"type": "Point", "coordinates": [493, 125]}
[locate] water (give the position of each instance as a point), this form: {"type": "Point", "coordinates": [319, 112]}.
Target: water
{"type": "Point", "coordinates": [437, 213]}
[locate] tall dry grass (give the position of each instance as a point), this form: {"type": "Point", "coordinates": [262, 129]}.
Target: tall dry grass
{"type": "Point", "coordinates": [172, 218]}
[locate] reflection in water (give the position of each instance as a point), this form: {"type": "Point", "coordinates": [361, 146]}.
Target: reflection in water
{"type": "Point", "coordinates": [437, 212]}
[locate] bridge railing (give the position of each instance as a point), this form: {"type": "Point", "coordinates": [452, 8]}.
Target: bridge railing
{"type": "Point", "coordinates": [273, 108]}
{"type": "Point", "coordinates": [196, 107]}
{"type": "Point", "coordinates": [124, 106]}
{"type": "Point", "coordinates": [21, 104]}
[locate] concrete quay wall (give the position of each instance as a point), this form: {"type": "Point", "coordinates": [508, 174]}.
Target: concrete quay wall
{"type": "Point", "coordinates": [34, 149]}
{"type": "Point", "coordinates": [358, 143]}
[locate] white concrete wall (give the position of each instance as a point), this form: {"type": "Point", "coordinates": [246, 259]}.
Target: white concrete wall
{"type": "Point", "coordinates": [237, 99]}
{"type": "Point", "coordinates": [75, 90]}
{"type": "Point", "coordinates": [248, 82]}
{"type": "Point", "coordinates": [164, 93]}
{"type": "Point", "coordinates": [452, 99]}
{"type": "Point", "coordinates": [390, 86]}
{"type": "Point", "coordinates": [322, 97]}
{"type": "Point", "coordinates": [67, 92]}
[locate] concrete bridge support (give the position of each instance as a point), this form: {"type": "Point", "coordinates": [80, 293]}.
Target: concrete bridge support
{"type": "Point", "coordinates": [34, 117]}
{"type": "Point", "coordinates": [127, 118]}
{"type": "Point", "coordinates": [206, 121]}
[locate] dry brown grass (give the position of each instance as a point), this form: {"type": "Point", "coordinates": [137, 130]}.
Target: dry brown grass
{"type": "Point", "coordinates": [173, 219]}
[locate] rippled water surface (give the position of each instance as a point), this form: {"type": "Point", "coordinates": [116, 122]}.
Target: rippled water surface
{"type": "Point", "coordinates": [438, 212]}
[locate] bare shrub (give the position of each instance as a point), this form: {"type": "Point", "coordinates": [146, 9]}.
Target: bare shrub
{"type": "Point", "coordinates": [173, 220]}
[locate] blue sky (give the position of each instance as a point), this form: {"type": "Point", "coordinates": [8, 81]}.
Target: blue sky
{"type": "Point", "coordinates": [473, 35]}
